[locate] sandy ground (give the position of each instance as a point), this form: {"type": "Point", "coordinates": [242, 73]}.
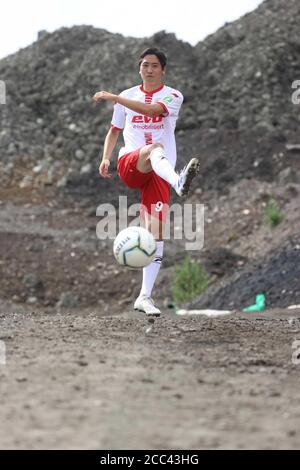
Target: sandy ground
{"type": "Point", "coordinates": [85, 380]}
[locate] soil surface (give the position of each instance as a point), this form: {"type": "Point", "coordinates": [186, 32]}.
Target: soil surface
{"type": "Point", "coordinates": [83, 380]}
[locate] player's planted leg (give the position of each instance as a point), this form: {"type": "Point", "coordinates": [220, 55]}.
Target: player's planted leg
{"type": "Point", "coordinates": [144, 302]}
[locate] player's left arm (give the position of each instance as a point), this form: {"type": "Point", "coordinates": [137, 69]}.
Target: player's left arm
{"type": "Point", "coordinates": [155, 109]}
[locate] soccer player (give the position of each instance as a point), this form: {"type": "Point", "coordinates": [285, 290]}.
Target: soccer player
{"type": "Point", "coordinates": [147, 116]}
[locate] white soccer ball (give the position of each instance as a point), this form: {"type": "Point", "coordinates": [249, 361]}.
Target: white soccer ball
{"type": "Point", "coordinates": [134, 247]}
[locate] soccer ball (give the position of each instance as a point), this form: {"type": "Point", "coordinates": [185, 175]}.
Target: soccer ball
{"type": "Point", "coordinates": [134, 247]}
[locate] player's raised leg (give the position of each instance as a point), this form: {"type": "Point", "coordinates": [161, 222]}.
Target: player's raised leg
{"type": "Point", "coordinates": [153, 157]}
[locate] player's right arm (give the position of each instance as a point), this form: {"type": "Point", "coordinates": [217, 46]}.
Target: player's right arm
{"type": "Point", "coordinates": [144, 108]}
{"type": "Point", "coordinates": [109, 145]}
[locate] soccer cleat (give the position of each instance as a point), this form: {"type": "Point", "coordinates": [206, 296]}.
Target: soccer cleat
{"type": "Point", "coordinates": [145, 304]}
{"type": "Point", "coordinates": [185, 177]}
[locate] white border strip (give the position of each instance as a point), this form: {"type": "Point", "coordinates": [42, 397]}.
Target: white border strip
{"type": "Point", "coordinates": [208, 313]}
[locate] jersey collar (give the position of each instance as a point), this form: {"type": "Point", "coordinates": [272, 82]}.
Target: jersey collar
{"type": "Point", "coordinates": [153, 91]}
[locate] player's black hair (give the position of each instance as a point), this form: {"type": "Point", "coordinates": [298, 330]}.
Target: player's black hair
{"type": "Point", "coordinates": [154, 51]}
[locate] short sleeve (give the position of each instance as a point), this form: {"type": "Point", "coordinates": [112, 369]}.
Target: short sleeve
{"type": "Point", "coordinates": [119, 117]}
{"type": "Point", "coordinates": [171, 103]}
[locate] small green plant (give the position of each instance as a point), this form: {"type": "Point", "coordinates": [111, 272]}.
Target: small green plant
{"type": "Point", "coordinates": [273, 214]}
{"type": "Point", "coordinates": [190, 279]}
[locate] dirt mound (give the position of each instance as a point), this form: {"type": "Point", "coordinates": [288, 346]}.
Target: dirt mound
{"type": "Point", "coordinates": [237, 83]}
{"type": "Point", "coordinates": [276, 275]}
{"type": "Point", "coordinates": [238, 116]}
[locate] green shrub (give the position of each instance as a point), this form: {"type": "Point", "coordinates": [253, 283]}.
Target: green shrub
{"type": "Point", "coordinates": [191, 279]}
{"type": "Point", "coordinates": [273, 214]}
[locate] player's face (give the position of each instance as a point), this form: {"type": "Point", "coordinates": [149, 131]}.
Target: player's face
{"type": "Point", "coordinates": [151, 69]}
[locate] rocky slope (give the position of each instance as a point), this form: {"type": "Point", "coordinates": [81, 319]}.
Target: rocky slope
{"type": "Point", "coordinates": [238, 112]}
{"type": "Point", "coordinates": [238, 116]}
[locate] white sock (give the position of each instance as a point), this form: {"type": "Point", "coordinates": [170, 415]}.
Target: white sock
{"type": "Point", "coordinates": [151, 271]}
{"type": "Point", "coordinates": [162, 167]}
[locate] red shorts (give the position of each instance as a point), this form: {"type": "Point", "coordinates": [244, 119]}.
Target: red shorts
{"type": "Point", "coordinates": [155, 191]}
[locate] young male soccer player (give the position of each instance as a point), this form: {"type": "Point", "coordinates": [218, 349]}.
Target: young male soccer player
{"type": "Point", "coordinates": [147, 115]}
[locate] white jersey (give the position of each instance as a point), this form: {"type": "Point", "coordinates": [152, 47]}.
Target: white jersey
{"type": "Point", "coordinates": [139, 129]}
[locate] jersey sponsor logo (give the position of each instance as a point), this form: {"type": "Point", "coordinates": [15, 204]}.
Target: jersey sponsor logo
{"type": "Point", "coordinates": [146, 119]}
{"type": "Point", "coordinates": [150, 127]}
